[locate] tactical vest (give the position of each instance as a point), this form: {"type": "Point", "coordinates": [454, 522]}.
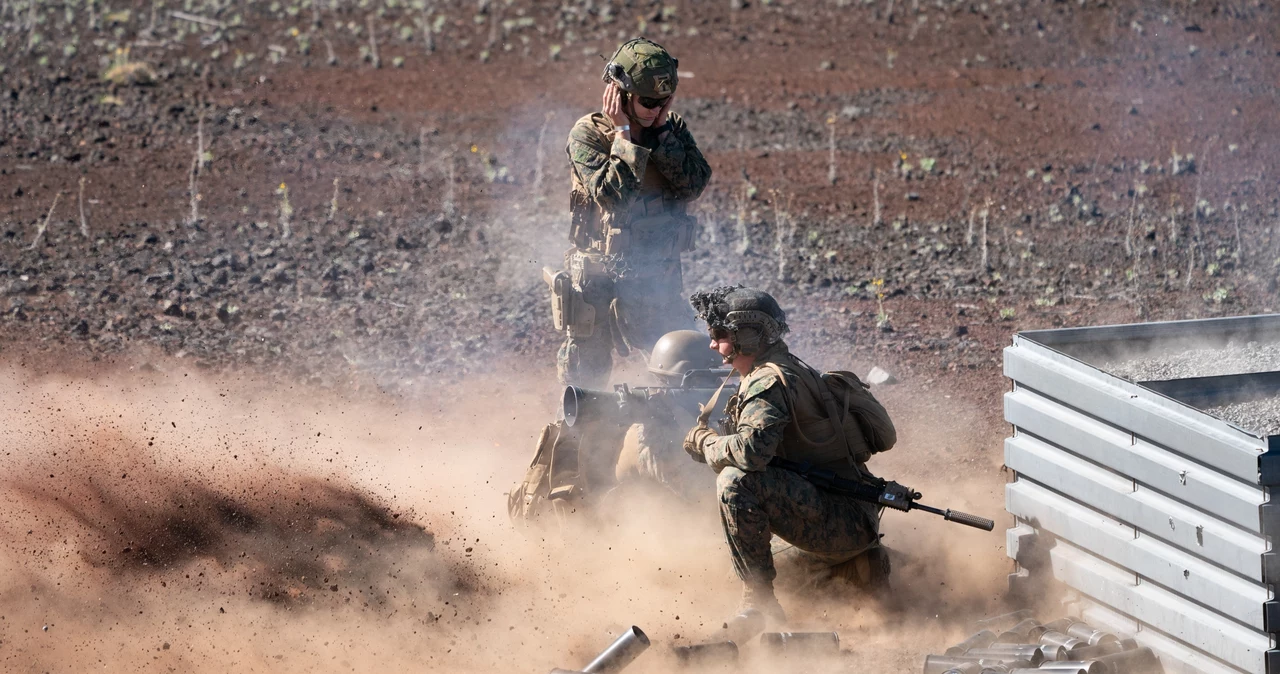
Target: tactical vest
{"type": "Point", "coordinates": [654, 228]}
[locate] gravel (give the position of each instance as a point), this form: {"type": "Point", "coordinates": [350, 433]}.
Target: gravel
{"type": "Point", "coordinates": [1233, 358]}
{"type": "Point", "coordinates": [1260, 416]}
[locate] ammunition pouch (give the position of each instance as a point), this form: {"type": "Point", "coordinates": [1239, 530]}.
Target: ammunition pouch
{"type": "Point", "coordinates": [570, 312]}
{"type": "Point", "coordinates": [584, 220]}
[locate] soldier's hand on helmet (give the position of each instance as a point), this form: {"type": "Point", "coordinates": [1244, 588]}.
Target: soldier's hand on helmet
{"type": "Point", "coordinates": [694, 441]}
{"type": "Point", "coordinates": [614, 109]}
{"type": "Point", "coordinates": [664, 114]}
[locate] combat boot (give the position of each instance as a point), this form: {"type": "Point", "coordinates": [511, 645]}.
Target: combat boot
{"type": "Point", "coordinates": [760, 598]}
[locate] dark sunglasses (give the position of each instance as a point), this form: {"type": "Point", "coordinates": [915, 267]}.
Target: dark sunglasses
{"type": "Point", "coordinates": [652, 103]}
{"type": "Point", "coordinates": [719, 333]}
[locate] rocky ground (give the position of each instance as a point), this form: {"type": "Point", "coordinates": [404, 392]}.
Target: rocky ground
{"type": "Point", "coordinates": [358, 196]}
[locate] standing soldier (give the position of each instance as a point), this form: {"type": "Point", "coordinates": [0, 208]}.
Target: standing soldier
{"type": "Point", "coordinates": [635, 168]}
{"type": "Point", "coordinates": [781, 406]}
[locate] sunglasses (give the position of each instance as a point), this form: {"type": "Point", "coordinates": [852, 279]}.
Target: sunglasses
{"type": "Point", "coordinates": [720, 333]}
{"type": "Point", "coordinates": [652, 103]}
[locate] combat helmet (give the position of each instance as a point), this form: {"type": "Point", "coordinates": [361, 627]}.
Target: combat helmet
{"type": "Point", "coordinates": [643, 68]}
{"type": "Point", "coordinates": [680, 352]}
{"type": "Point", "coordinates": [752, 317]}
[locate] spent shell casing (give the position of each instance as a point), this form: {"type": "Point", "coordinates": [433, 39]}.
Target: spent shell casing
{"type": "Point", "coordinates": [1086, 652]}
{"type": "Point", "coordinates": [706, 654]}
{"type": "Point", "coordinates": [1009, 653]}
{"type": "Point", "coordinates": [1074, 667]}
{"type": "Point", "coordinates": [1056, 638]}
{"type": "Point", "coordinates": [1087, 633]}
{"type": "Point", "coordinates": [980, 640]}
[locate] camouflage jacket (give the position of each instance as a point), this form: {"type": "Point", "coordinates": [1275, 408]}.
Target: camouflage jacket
{"type": "Point", "coordinates": [759, 413]}
{"type": "Point", "coordinates": [609, 171]}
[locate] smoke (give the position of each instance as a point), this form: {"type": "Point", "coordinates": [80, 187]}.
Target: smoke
{"type": "Point", "coordinates": [161, 520]}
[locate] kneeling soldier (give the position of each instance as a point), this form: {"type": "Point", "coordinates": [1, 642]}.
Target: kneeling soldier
{"type": "Point", "coordinates": [781, 406]}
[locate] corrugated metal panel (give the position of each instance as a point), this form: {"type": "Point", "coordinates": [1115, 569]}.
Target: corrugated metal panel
{"type": "Point", "coordinates": [1188, 481]}
{"type": "Point", "coordinates": [1146, 556]}
{"type": "Point", "coordinates": [1110, 585]}
{"type": "Point", "coordinates": [1165, 422]}
{"type": "Point", "coordinates": [1156, 512]}
{"type": "Point", "coordinates": [1118, 496]}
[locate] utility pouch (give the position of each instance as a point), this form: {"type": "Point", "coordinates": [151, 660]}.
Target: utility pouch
{"type": "Point", "coordinates": [617, 241]}
{"type": "Point", "coordinates": [582, 220]}
{"type": "Point", "coordinates": [569, 311]}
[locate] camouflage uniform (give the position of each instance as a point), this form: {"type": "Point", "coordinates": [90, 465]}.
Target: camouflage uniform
{"type": "Point", "coordinates": [757, 501]}
{"type": "Point", "coordinates": [652, 451]}
{"type": "Point", "coordinates": [630, 226]}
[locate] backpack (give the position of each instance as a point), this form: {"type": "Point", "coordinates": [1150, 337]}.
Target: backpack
{"type": "Point", "coordinates": [550, 487]}
{"type": "Point", "coordinates": [862, 426]}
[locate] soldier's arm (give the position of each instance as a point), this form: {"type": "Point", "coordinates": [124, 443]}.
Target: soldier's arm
{"type": "Point", "coordinates": [610, 171]}
{"type": "Point", "coordinates": [761, 423]}
{"type": "Point", "coordinates": [680, 161]}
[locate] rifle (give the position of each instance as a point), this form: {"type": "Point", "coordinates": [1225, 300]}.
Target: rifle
{"type": "Point", "coordinates": [879, 491]}
{"type": "Point", "coordinates": [627, 405]}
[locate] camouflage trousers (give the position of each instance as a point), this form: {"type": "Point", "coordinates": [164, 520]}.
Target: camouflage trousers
{"type": "Point", "coordinates": [631, 313]}
{"type": "Point", "coordinates": [826, 528]}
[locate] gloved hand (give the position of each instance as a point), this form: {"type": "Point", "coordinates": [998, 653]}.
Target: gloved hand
{"type": "Point", "coordinates": [694, 441]}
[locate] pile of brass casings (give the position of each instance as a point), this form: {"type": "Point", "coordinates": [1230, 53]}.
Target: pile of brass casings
{"type": "Point", "coordinates": [1018, 643]}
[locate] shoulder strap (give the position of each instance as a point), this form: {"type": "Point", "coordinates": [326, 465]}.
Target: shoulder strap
{"type": "Point", "coordinates": [710, 407]}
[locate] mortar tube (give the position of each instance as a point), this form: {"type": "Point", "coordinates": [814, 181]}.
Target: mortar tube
{"type": "Point", "coordinates": [1055, 638]}
{"type": "Point", "coordinates": [1086, 632]}
{"type": "Point", "coordinates": [966, 668]}
{"type": "Point", "coordinates": [1137, 661]}
{"type": "Point", "coordinates": [1036, 669]}
{"type": "Point", "coordinates": [1009, 652]}
{"type": "Point", "coordinates": [620, 653]}
{"type": "Point", "coordinates": [1128, 644]}
{"type": "Point", "coordinates": [706, 654]}
{"type": "Point", "coordinates": [980, 640]}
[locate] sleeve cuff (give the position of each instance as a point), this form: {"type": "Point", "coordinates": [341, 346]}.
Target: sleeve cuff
{"type": "Point", "coordinates": [631, 154]}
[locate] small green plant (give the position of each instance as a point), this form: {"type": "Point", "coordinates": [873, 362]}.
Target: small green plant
{"type": "Point", "coordinates": [1008, 313]}
{"type": "Point", "coordinates": [882, 316]}
{"type": "Point", "coordinates": [1218, 296]}
{"type": "Point", "coordinates": [125, 71]}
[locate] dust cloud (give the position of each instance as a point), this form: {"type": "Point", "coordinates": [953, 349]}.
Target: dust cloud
{"type": "Point", "coordinates": [167, 520]}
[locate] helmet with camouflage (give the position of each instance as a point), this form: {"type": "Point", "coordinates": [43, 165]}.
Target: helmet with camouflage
{"type": "Point", "coordinates": [680, 352]}
{"type": "Point", "coordinates": [752, 318]}
{"type": "Point", "coordinates": [643, 68]}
